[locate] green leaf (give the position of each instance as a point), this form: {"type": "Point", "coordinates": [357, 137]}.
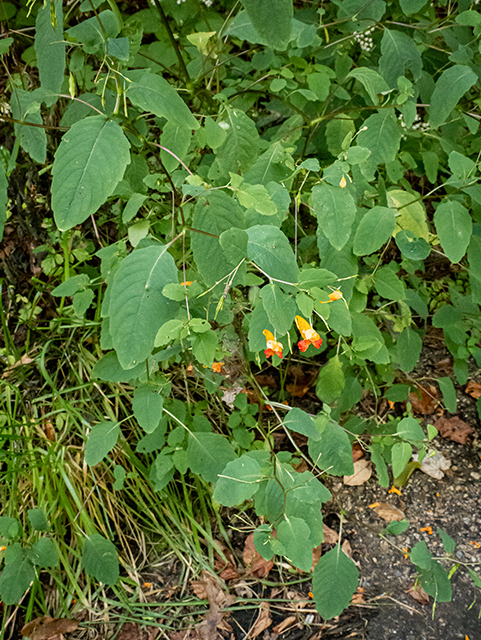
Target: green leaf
{"type": "Point", "coordinates": [70, 286]}
{"type": "Point", "coordinates": [91, 34]}
{"type": "Point", "coordinates": [150, 92]}
{"type": "Point", "coordinates": [147, 406]}
{"type": "Point", "coordinates": [234, 245]}
{"type": "Point", "coordinates": [208, 454]}
{"type": "Point", "coordinates": [396, 528]}
{"type": "Point", "coordinates": [118, 48]}
{"type": "Point", "coordinates": [25, 107]}
{"type": "Point", "coordinates": [449, 394]}
{"type": "Point", "coordinates": [176, 138]}
{"type": "Point", "coordinates": [320, 278]}
{"type": "Point", "coordinates": [461, 166]}
{"type": "Point", "coordinates": [238, 482]}
{"type": "Point", "coordinates": [331, 381]}
{"type": "Point", "coordinates": [256, 196]}
{"type": "Point", "coordinates": [336, 132]}
{"type": "Point", "coordinates": [16, 578]}
{"type": "Point", "coordinates": [380, 464]}
{"type": "Point", "coordinates": [399, 52]}
{"type": "Point", "coordinates": [450, 88]}
{"type": "Point", "coordinates": [85, 171]}
{"type": "Point", "coordinates": [9, 527]}
{"type": "Point", "coordinates": [448, 543]}
{"type": "Point", "coordinates": [412, 6]}
{"type": "Point", "coordinates": [410, 429]}
{"type": "Point", "coordinates": [289, 532]}
{"type": "Point", "coordinates": [280, 308]}
{"type": "Point", "coordinates": [401, 453]}
{"type": "Point", "coordinates": [214, 213]}
{"type": "Point", "coordinates": [6, 42]}
{"type": "Point", "coordinates": [45, 553]}
{"type": "Point", "coordinates": [99, 559]}
{"type": "Point", "coordinates": [162, 471]}
{"type": "Point", "coordinates": [412, 215]}
{"type": "Point", "coordinates": [37, 519]}
{"type": "Point", "coordinates": [436, 583]}
{"type": "Point", "coordinates": [335, 209]}
{"type": "Point", "coordinates": [454, 227]}
{"type": "Point", "coordinates": [388, 285]}
{"type": "Point", "coordinates": [371, 81]}
{"type": "Point", "coordinates": [269, 248]}
{"type": "Point", "coordinates": [381, 133]}
{"type": "Point", "coordinates": [108, 368]}
{"type": "Point", "coordinates": [374, 230]}
{"type": "Point", "coordinates": [82, 301]}
{"type": "Point", "coordinates": [271, 20]}
{"type": "Point", "coordinates": [368, 340]}
{"type": "Point", "coordinates": [412, 246]}
{"type": "Point", "coordinates": [420, 555]}
{"type": "Point", "coordinates": [408, 349]}
{"type": "Point", "coordinates": [469, 18]}
{"type": "Point", "coordinates": [101, 440]}
{"type": "Point", "coordinates": [240, 149]}
{"type": "Point", "coordinates": [136, 200]}
{"type": "Point", "coordinates": [50, 47]}
{"type": "Point", "coordinates": [137, 306]}
{"type": "Point", "coordinates": [300, 422]}
{"type": "Point", "coordinates": [332, 451]}
{"type": "Point", "coordinates": [204, 346]}
{"type": "Point", "coordinates": [334, 581]}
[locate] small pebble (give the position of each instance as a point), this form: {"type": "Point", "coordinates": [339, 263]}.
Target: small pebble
{"type": "Point", "coordinates": [475, 475]}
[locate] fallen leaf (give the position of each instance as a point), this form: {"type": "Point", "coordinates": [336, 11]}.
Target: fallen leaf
{"type": "Point", "coordinates": [346, 547]}
{"type": "Point", "coordinates": [330, 536]}
{"type": "Point", "coordinates": [357, 452]}
{"type": "Point", "coordinates": [210, 588]}
{"type": "Point", "coordinates": [226, 563]}
{"type": "Point", "coordinates": [418, 593]}
{"type": "Point", "coordinates": [49, 431]}
{"type": "Point", "coordinates": [358, 597]}
{"type": "Point", "coordinates": [362, 473]}
{"type": "Point", "coordinates": [262, 622]}
{"type": "Point", "coordinates": [132, 631]}
{"type": "Point", "coordinates": [46, 627]}
{"type": "Point", "coordinates": [266, 380]}
{"type": "Point", "coordinates": [388, 512]}
{"type": "Point", "coordinates": [424, 399]}
{"type": "Point", "coordinates": [434, 465]}
{"type": "Point", "coordinates": [473, 389]}
{"type": "Point", "coordinates": [316, 556]}
{"type": "Point", "coordinates": [25, 359]}
{"type": "Point", "coordinates": [255, 563]}
{"type": "Point", "coordinates": [454, 428]}
{"type": "Point", "coordinates": [282, 626]}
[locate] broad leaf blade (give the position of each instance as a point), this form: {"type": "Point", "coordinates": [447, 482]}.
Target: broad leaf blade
{"type": "Point", "coordinates": [381, 134]}
{"type": "Point", "coordinates": [147, 405]}
{"type": "Point", "coordinates": [137, 306]}
{"type": "Point", "coordinates": [376, 228]}
{"type": "Point", "coordinates": [238, 482]}
{"type": "Point", "coordinates": [241, 146]}
{"type": "Point", "coordinates": [332, 451]}
{"type": "Point", "coordinates": [88, 165]}
{"type": "Point", "coordinates": [102, 439]}
{"type": "Point", "coordinates": [333, 583]}
{"type": "Point", "coordinates": [151, 92]}
{"type": "Point", "coordinates": [15, 579]}
{"type": "Point", "coordinates": [100, 559]}
{"type": "Point", "coordinates": [335, 210]}
{"type": "Point", "coordinates": [25, 107]}
{"type": "Point", "coordinates": [208, 454]}
{"type": "Point", "coordinates": [454, 227]}
{"type": "Point", "coordinates": [50, 48]}
{"type": "Point", "coordinates": [269, 248]}
{"type": "Point", "coordinates": [272, 20]}
{"type": "Point", "coordinates": [450, 88]}
{"type": "Point", "coordinates": [289, 532]}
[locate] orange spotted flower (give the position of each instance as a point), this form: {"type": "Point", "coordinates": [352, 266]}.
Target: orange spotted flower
{"type": "Point", "coordinates": [335, 295]}
{"type": "Point", "coordinates": [272, 345]}
{"type": "Point", "coordinates": [309, 335]}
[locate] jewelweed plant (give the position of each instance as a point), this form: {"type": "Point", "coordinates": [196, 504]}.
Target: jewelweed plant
{"type": "Point", "coordinates": [261, 181]}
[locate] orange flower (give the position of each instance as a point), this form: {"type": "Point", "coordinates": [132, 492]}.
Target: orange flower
{"type": "Point", "coordinates": [335, 295]}
{"type": "Point", "coordinates": [394, 490]}
{"type": "Point", "coordinates": [343, 182]}
{"type": "Point", "coordinates": [428, 529]}
{"type": "Point", "coordinates": [310, 336]}
{"type": "Point", "coordinates": [272, 345]}
{"type": "Point", "coordinates": [187, 283]}
{"type": "Point", "coordinates": [217, 367]}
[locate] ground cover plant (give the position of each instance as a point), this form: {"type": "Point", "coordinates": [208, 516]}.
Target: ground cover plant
{"type": "Point", "coordinates": [219, 189]}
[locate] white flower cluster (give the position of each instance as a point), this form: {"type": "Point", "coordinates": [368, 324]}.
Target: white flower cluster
{"type": "Point", "coordinates": [208, 3]}
{"type": "Point", "coordinates": [180, 1]}
{"type": "Point", "coordinates": [419, 125]}
{"type": "Point", "coordinates": [364, 38]}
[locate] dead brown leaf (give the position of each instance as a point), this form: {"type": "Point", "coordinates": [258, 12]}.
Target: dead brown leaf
{"type": "Point", "coordinates": [316, 556]}
{"type": "Point", "coordinates": [346, 547]}
{"type": "Point", "coordinates": [133, 631]}
{"type": "Point", "coordinates": [473, 389]}
{"type": "Point", "coordinates": [45, 628]}
{"type": "Point", "coordinates": [255, 563]}
{"type": "Point", "coordinates": [210, 588]}
{"type": "Point", "coordinates": [266, 380]}
{"type": "Point", "coordinates": [362, 473]}
{"type": "Point", "coordinates": [25, 359]}
{"type": "Point", "coordinates": [330, 536]}
{"type": "Point", "coordinates": [262, 622]}
{"type": "Point", "coordinates": [49, 431]}
{"type": "Point", "coordinates": [424, 400]}
{"type": "Point", "coordinates": [454, 428]}
{"type": "Point", "coordinates": [226, 563]}
{"type": "Point", "coordinates": [418, 593]}
{"type": "Point", "coordinates": [357, 452]}
{"type": "Point", "coordinates": [358, 597]}
{"type": "Point", "coordinates": [282, 626]}
{"type": "Point", "coordinates": [387, 512]}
